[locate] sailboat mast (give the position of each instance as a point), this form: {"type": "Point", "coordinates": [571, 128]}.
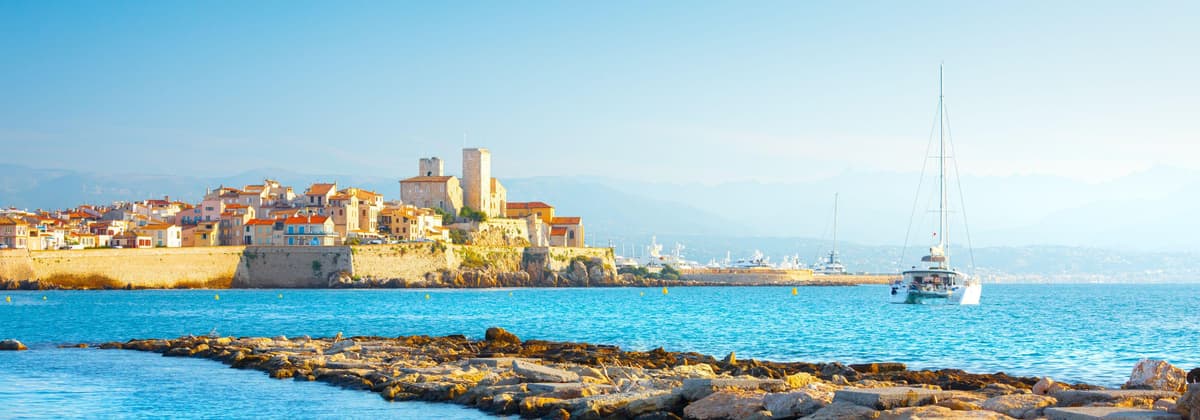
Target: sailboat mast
{"type": "Point", "coordinates": [941, 166]}
{"type": "Point", "coordinates": [833, 255]}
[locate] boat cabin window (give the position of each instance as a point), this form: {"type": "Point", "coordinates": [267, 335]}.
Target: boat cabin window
{"type": "Point", "coordinates": [917, 279]}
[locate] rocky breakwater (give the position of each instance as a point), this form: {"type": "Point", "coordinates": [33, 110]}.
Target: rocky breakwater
{"type": "Point", "coordinates": [542, 379]}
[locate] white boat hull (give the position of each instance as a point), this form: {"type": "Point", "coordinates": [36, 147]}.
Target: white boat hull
{"type": "Point", "coordinates": [967, 294]}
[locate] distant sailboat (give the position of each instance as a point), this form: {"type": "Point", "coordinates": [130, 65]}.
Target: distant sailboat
{"type": "Point", "coordinates": [831, 264]}
{"type": "Point", "coordinates": [938, 282]}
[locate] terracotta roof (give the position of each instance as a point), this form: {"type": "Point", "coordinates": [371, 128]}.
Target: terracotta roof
{"type": "Point", "coordinates": [306, 220]}
{"type": "Point", "coordinates": [427, 179]}
{"type": "Point", "coordinates": [558, 231]}
{"type": "Point", "coordinates": [254, 188]}
{"type": "Point", "coordinates": [157, 226]}
{"type": "Point", "coordinates": [236, 206]}
{"type": "Point", "coordinates": [11, 221]}
{"type": "Point", "coordinates": [565, 221]}
{"type": "Point", "coordinates": [319, 189]}
{"type": "Point", "coordinates": [528, 205]}
{"type": "Point", "coordinates": [263, 222]}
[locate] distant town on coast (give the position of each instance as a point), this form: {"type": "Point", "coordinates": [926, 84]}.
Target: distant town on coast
{"type": "Point", "coordinates": [432, 207]}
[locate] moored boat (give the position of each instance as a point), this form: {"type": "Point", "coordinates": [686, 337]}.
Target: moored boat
{"type": "Point", "coordinates": [938, 281]}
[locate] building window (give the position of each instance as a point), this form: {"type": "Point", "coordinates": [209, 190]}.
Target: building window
{"type": "Point", "coordinates": [291, 241]}
{"type": "Point", "coordinates": [291, 230]}
{"type": "Point", "coordinates": [301, 229]}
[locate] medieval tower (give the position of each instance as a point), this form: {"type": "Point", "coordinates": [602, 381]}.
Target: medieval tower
{"type": "Point", "coordinates": [431, 167]}
{"type": "Point", "coordinates": [477, 178]}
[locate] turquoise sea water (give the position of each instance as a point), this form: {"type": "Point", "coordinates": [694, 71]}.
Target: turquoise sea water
{"type": "Point", "coordinates": [1092, 333]}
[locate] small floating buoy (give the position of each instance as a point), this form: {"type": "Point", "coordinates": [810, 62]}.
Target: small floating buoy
{"type": "Point", "coordinates": [510, 293]}
{"type": "Point", "coordinates": [281, 295]}
{"type": "Point", "coordinates": [43, 298]}
{"type": "Point", "coordinates": [216, 297]}
{"type": "Point", "coordinates": [795, 292]}
{"type": "Point", "coordinates": [664, 290]}
{"type": "Point", "coordinates": [8, 299]}
{"type": "Point", "coordinates": [426, 296]}
{"type": "Point", "coordinates": [641, 293]}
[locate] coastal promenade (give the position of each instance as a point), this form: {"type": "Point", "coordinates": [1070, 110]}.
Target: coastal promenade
{"type": "Point", "coordinates": [542, 379]}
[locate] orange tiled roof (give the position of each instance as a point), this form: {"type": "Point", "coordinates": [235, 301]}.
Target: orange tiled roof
{"type": "Point", "coordinates": [157, 226]}
{"type": "Point", "coordinates": [528, 205]}
{"type": "Point", "coordinates": [11, 221]}
{"type": "Point", "coordinates": [261, 222]}
{"type": "Point", "coordinates": [558, 231]}
{"type": "Point", "coordinates": [236, 206]}
{"type": "Point", "coordinates": [565, 220]}
{"type": "Point", "coordinates": [428, 179]}
{"type": "Point", "coordinates": [306, 220]}
{"type": "Point", "coordinates": [319, 189]}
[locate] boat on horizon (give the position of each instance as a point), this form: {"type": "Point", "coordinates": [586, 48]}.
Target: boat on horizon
{"type": "Point", "coordinates": [938, 281]}
{"type": "Point", "coordinates": [831, 264]}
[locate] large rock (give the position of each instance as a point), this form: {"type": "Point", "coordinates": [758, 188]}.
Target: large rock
{"type": "Point", "coordinates": [1047, 386]}
{"type": "Point", "coordinates": [938, 412]}
{"type": "Point", "coordinates": [343, 346]}
{"type": "Point", "coordinates": [1157, 375]}
{"type": "Point", "coordinates": [796, 403]}
{"type": "Point", "coordinates": [497, 335]}
{"type": "Point", "coordinates": [1019, 405]}
{"type": "Point", "coordinates": [725, 405]}
{"type": "Point", "coordinates": [1107, 413]}
{"type": "Point", "coordinates": [1115, 397]}
{"type": "Point", "coordinates": [538, 373]}
{"type": "Point", "coordinates": [695, 389]}
{"type": "Point", "coordinates": [800, 379]}
{"type": "Point", "coordinates": [840, 410]}
{"type": "Point", "coordinates": [703, 370]}
{"type": "Point", "coordinates": [607, 405]}
{"type": "Point", "coordinates": [1188, 405]}
{"type": "Point", "coordinates": [889, 397]}
{"type": "Point", "coordinates": [11, 344]}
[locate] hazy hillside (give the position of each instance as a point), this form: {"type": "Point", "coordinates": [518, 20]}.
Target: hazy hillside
{"type": "Point", "coordinates": [1133, 227]}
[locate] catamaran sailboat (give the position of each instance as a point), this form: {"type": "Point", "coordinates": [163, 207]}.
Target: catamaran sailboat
{"type": "Point", "coordinates": [938, 281]}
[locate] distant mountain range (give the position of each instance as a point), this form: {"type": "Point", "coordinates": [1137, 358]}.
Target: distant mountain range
{"type": "Point", "coordinates": [1137, 227]}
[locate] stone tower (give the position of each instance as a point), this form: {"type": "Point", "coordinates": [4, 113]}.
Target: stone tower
{"type": "Point", "coordinates": [477, 178]}
{"type": "Point", "coordinates": [431, 166]}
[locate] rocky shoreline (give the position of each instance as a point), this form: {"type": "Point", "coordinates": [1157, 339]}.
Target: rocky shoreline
{"type": "Point", "coordinates": [542, 379]}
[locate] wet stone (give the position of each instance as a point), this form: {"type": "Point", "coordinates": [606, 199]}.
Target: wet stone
{"type": "Point", "coordinates": [890, 397]}
{"type": "Point", "coordinates": [1107, 413]}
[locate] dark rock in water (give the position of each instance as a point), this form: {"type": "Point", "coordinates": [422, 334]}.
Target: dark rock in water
{"type": "Point", "coordinates": [835, 368]}
{"type": "Point", "coordinates": [499, 335]}
{"type": "Point", "coordinates": [873, 368]}
{"type": "Point", "coordinates": [1193, 377]}
{"type": "Point", "coordinates": [731, 358]}
{"type": "Point", "coordinates": [11, 344]}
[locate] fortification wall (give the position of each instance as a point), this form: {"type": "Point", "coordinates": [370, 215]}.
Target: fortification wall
{"type": "Point", "coordinates": [560, 258]}
{"type": "Point", "coordinates": [165, 268]}
{"type": "Point", "coordinates": [401, 261]}
{"type": "Point", "coordinates": [284, 267]}
{"type": "Point", "coordinates": [431, 264]}
{"type": "Point", "coordinates": [16, 265]}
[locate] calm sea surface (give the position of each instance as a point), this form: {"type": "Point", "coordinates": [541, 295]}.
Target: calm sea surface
{"type": "Point", "coordinates": [1092, 333]}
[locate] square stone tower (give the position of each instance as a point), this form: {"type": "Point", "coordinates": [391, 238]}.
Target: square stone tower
{"type": "Point", "coordinates": [477, 178]}
{"type": "Point", "coordinates": [431, 166]}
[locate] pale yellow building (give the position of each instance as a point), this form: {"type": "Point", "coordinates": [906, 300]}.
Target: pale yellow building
{"type": "Point", "coordinates": [443, 192]}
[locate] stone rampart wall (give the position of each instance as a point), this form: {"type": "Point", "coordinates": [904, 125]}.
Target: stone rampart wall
{"type": "Point", "coordinates": [157, 268]}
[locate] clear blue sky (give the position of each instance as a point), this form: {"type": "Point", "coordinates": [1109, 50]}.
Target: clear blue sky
{"type": "Point", "coordinates": [667, 90]}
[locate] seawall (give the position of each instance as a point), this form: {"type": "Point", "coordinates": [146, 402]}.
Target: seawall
{"type": "Point", "coordinates": [400, 265]}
